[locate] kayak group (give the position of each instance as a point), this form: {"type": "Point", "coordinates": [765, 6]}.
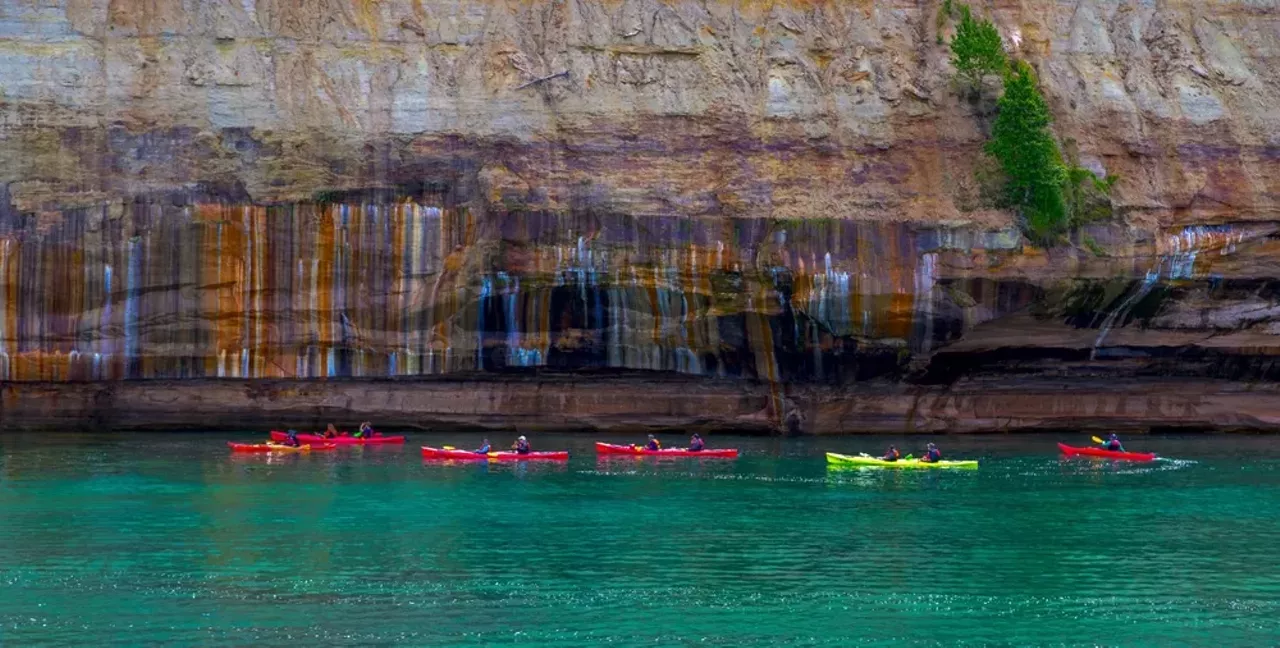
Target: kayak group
{"type": "Point", "coordinates": [521, 445]}
{"type": "Point", "coordinates": [521, 449]}
{"type": "Point", "coordinates": [294, 441]}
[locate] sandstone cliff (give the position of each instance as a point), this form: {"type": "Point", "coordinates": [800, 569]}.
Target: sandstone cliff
{"type": "Point", "coordinates": [783, 109]}
{"type": "Point", "coordinates": [775, 193]}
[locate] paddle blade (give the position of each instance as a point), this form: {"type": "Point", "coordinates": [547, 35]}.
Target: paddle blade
{"type": "Point", "coordinates": [448, 448]}
{"type": "Point", "coordinates": [1096, 439]}
{"type": "Point", "coordinates": [908, 457]}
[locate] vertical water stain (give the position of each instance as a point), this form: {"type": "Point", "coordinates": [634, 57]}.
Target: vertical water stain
{"type": "Point", "coordinates": [405, 288]}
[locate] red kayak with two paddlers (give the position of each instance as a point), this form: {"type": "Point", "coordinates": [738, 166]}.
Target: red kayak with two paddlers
{"type": "Point", "coordinates": [429, 452]}
{"type": "Point", "coordinates": [640, 451]}
{"type": "Point", "coordinates": [277, 435]}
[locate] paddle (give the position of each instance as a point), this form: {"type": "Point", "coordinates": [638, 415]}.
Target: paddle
{"type": "Point", "coordinates": [1096, 440]}
{"type": "Point", "coordinates": [448, 448]}
{"type": "Point", "coordinates": [908, 457]}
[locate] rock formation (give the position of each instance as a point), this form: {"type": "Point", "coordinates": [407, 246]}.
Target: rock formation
{"type": "Point", "coordinates": [623, 214]}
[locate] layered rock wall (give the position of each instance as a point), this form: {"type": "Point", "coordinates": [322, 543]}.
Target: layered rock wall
{"type": "Point", "coordinates": [786, 109]}
{"type": "Point", "coordinates": [774, 199]}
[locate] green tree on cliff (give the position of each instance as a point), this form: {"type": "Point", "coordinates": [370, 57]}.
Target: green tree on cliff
{"type": "Point", "coordinates": [976, 49]}
{"type": "Point", "coordinates": [1029, 156]}
{"type": "Point", "coordinates": [1049, 194]}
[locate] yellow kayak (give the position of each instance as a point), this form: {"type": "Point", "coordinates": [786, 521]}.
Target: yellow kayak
{"type": "Point", "coordinates": [875, 462]}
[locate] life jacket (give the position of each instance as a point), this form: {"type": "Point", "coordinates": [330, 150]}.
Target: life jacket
{"type": "Point", "coordinates": [484, 449]}
{"type": "Point", "coordinates": [522, 447]}
{"type": "Point", "coordinates": [653, 445]}
{"type": "Point", "coordinates": [934, 455]}
{"type": "Point", "coordinates": [1114, 444]}
{"type": "Point", "coordinates": [695, 445]}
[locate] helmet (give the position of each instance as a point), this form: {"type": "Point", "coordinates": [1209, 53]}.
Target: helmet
{"type": "Point", "coordinates": [523, 439]}
{"type": "Point", "coordinates": [1113, 435]}
{"type": "Point", "coordinates": [931, 446]}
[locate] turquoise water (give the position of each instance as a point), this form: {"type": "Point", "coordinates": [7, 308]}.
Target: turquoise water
{"type": "Point", "coordinates": [167, 539]}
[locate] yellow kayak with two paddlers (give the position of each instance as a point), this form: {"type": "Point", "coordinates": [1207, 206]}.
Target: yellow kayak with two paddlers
{"type": "Point", "coordinates": [866, 461]}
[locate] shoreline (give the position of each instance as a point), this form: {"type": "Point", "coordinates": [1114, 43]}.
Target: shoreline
{"type": "Point", "coordinates": [615, 403]}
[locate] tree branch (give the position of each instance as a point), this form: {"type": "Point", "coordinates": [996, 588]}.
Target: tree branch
{"type": "Point", "coordinates": [562, 73]}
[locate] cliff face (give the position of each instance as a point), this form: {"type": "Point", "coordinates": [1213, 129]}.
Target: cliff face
{"type": "Point", "coordinates": [771, 192]}
{"type": "Point", "coordinates": [787, 109]}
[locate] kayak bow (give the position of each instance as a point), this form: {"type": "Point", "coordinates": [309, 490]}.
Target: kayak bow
{"type": "Point", "coordinates": [429, 452]}
{"type": "Point", "coordinates": [615, 449]}
{"type": "Point", "coordinates": [1072, 451]}
{"type": "Point", "coordinates": [874, 462]}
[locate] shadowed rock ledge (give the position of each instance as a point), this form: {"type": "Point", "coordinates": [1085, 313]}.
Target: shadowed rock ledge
{"type": "Point", "coordinates": [640, 403]}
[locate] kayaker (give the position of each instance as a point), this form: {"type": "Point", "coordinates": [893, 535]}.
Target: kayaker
{"type": "Point", "coordinates": [1113, 444]}
{"type": "Point", "coordinates": [484, 447]}
{"type": "Point", "coordinates": [892, 454]}
{"type": "Point", "coordinates": [330, 431]}
{"type": "Point", "coordinates": [695, 443]}
{"type": "Point", "coordinates": [932, 454]}
{"type": "Point", "coordinates": [653, 443]}
{"type": "Point", "coordinates": [521, 446]}
{"type": "Point", "coordinates": [366, 430]}
{"type": "Point", "coordinates": [293, 439]}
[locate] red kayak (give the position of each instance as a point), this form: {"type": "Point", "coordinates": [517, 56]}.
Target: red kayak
{"type": "Point", "coordinates": [1071, 451]}
{"type": "Point", "coordinates": [277, 435]}
{"type": "Point", "coordinates": [275, 447]}
{"type": "Point", "coordinates": [614, 449]}
{"type": "Point", "coordinates": [440, 453]}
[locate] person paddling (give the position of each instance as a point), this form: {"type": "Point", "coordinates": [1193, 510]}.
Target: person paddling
{"type": "Point", "coordinates": [365, 431]}
{"type": "Point", "coordinates": [293, 439]}
{"type": "Point", "coordinates": [330, 431]}
{"type": "Point", "coordinates": [695, 443]}
{"type": "Point", "coordinates": [653, 443]}
{"type": "Point", "coordinates": [522, 446]}
{"type": "Point", "coordinates": [892, 454]}
{"type": "Point", "coordinates": [932, 454]}
{"type": "Point", "coordinates": [1113, 444]}
{"type": "Point", "coordinates": [484, 447]}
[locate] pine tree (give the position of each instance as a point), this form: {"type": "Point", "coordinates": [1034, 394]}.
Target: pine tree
{"type": "Point", "coordinates": [1028, 155]}
{"type": "Point", "coordinates": [976, 50]}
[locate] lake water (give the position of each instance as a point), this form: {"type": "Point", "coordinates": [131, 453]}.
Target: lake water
{"type": "Point", "coordinates": [168, 539]}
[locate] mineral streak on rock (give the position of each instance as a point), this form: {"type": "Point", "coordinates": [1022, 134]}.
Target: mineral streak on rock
{"type": "Point", "coordinates": [404, 288]}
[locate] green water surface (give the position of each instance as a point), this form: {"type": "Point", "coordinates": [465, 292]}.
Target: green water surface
{"type": "Point", "coordinates": [170, 540]}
